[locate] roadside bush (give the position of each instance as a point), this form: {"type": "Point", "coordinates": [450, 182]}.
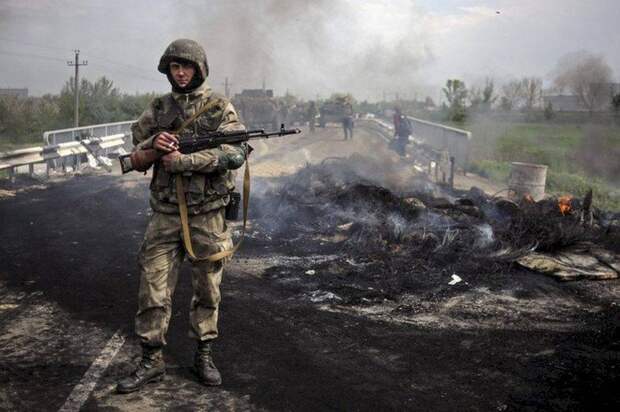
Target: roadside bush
{"type": "Point", "coordinates": [23, 120]}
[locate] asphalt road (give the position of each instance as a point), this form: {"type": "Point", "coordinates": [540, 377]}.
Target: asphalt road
{"type": "Point", "coordinates": [68, 284]}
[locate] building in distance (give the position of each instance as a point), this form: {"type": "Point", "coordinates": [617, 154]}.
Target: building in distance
{"type": "Point", "coordinates": [572, 103]}
{"type": "Point", "coordinates": [14, 92]}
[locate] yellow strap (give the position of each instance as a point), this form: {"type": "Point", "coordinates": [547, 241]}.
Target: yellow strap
{"type": "Point", "coordinates": [187, 239]}
{"type": "Point", "coordinates": [195, 116]}
{"type": "Point", "coordinates": [191, 120]}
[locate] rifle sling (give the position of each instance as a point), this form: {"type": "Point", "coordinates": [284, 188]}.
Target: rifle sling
{"type": "Point", "coordinates": [187, 239]}
{"type": "Point", "coordinates": [193, 118]}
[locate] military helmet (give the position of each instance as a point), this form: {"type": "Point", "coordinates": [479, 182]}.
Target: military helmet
{"type": "Point", "coordinates": [185, 49]}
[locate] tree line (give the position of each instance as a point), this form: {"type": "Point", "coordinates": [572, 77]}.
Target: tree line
{"type": "Point", "coordinates": [584, 75]}
{"type": "Point", "coordinates": [23, 120]}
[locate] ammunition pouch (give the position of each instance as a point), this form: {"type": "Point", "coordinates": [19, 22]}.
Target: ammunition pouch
{"type": "Point", "coordinates": [232, 208]}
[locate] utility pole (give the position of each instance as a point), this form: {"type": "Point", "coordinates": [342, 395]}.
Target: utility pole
{"type": "Point", "coordinates": [76, 89]}
{"type": "Point", "coordinates": [227, 88]}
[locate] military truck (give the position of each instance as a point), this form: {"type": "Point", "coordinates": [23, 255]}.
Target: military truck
{"type": "Point", "coordinates": [335, 109]}
{"type": "Point", "coordinates": [258, 109]}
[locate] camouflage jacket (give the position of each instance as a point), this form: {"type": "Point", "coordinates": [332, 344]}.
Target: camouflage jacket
{"type": "Point", "coordinates": [207, 175]}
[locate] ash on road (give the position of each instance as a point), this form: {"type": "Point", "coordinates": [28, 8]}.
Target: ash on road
{"type": "Point", "coordinates": [68, 284]}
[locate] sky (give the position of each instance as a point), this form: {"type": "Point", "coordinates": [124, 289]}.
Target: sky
{"type": "Point", "coordinates": [310, 48]}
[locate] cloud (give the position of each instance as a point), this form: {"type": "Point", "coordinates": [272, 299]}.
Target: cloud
{"type": "Point", "coordinates": [315, 47]}
{"type": "Point", "coordinates": [526, 38]}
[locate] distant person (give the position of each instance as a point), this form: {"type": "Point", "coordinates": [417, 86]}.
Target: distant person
{"type": "Point", "coordinates": [311, 115]}
{"type": "Point", "coordinates": [284, 113]}
{"type": "Point", "coordinates": [347, 122]}
{"type": "Point", "coordinates": [402, 131]}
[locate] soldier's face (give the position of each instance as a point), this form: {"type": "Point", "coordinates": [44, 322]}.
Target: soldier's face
{"type": "Point", "coordinates": [182, 73]}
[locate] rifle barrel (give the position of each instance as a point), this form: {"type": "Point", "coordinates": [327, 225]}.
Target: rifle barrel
{"type": "Point", "coordinates": [214, 139]}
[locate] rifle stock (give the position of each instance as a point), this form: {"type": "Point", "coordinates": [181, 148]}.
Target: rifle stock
{"type": "Point", "coordinates": [139, 160]}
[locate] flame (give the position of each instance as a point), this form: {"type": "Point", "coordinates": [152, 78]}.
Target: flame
{"type": "Point", "coordinates": [564, 204]}
{"type": "Point", "coordinates": [528, 198]}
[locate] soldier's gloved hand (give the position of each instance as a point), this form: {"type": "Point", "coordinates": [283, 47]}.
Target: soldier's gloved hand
{"type": "Point", "coordinates": [166, 142]}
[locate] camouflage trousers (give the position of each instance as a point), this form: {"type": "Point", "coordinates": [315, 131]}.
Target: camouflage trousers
{"type": "Point", "coordinates": [160, 258]}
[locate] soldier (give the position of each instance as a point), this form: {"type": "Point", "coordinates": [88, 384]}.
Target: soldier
{"type": "Point", "coordinates": [402, 131]}
{"type": "Point", "coordinates": [311, 116]}
{"type": "Point", "coordinates": [207, 181]}
{"type": "Point", "coordinates": [347, 121]}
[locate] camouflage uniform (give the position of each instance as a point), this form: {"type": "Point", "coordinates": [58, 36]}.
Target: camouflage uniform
{"type": "Point", "coordinates": [311, 116]}
{"type": "Point", "coordinates": [347, 122]}
{"type": "Point", "coordinates": [208, 181]}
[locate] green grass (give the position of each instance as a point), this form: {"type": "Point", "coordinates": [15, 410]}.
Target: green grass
{"type": "Point", "coordinates": [578, 156]}
{"type": "Point", "coordinates": [558, 183]}
{"type": "Point", "coordinates": [561, 147]}
{"type": "Point", "coordinates": [542, 144]}
{"type": "Point", "coordinates": [552, 145]}
{"type": "Point", "coordinates": [605, 196]}
{"type": "Point", "coordinates": [491, 169]}
{"type": "Point", "coordinates": [9, 146]}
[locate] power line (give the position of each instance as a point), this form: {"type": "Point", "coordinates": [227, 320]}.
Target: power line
{"type": "Point", "coordinates": [99, 61]}
{"type": "Point", "coordinates": [99, 64]}
{"type": "Point", "coordinates": [32, 55]}
{"type": "Point", "coordinates": [135, 75]}
{"type": "Point", "coordinates": [106, 59]}
{"type": "Point", "coordinates": [47, 46]}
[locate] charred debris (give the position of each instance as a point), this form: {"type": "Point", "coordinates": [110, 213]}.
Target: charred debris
{"type": "Point", "coordinates": [388, 228]}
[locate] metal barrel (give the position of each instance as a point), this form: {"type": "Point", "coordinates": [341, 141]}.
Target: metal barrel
{"type": "Point", "coordinates": [528, 179]}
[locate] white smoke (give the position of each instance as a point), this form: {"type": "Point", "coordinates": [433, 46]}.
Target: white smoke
{"type": "Point", "coordinates": [309, 48]}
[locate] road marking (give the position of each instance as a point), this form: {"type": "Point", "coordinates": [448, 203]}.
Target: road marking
{"type": "Point", "coordinates": [82, 390]}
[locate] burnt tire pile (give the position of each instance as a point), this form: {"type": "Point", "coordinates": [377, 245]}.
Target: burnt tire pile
{"type": "Point", "coordinates": [394, 231]}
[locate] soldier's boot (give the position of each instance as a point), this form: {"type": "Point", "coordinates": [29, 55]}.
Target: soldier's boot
{"type": "Point", "coordinates": [204, 366]}
{"type": "Point", "coordinates": [150, 369]}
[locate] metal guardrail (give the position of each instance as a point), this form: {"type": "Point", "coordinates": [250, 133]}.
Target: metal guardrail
{"type": "Point", "coordinates": [66, 147]}
{"type": "Point", "coordinates": [98, 130]}
{"type": "Point", "coordinates": [47, 154]}
{"type": "Point", "coordinates": [438, 144]}
{"type": "Point", "coordinates": [444, 138]}
{"type": "Point", "coordinates": [438, 136]}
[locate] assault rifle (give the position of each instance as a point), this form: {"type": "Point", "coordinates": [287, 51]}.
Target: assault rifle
{"type": "Point", "coordinates": [191, 144]}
